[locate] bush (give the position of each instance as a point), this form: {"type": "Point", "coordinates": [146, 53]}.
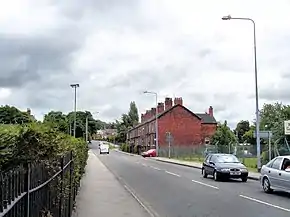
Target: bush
{"type": "Point", "coordinates": [35, 143]}
{"type": "Point", "coordinates": [125, 147]}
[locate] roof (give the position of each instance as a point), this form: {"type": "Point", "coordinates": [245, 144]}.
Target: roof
{"type": "Point", "coordinates": [205, 118]}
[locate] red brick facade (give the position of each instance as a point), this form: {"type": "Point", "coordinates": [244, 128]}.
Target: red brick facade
{"type": "Point", "coordinates": [186, 128]}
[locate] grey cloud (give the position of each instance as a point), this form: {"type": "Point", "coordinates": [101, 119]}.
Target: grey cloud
{"type": "Point", "coordinates": [24, 59]}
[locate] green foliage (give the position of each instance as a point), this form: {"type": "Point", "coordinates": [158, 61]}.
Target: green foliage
{"type": "Point", "coordinates": [34, 142]}
{"type": "Point", "coordinates": [127, 121]}
{"type": "Point", "coordinates": [124, 147]}
{"type": "Point", "coordinates": [241, 128]}
{"type": "Point", "coordinates": [223, 137]}
{"type": "Point", "coordinates": [12, 115]}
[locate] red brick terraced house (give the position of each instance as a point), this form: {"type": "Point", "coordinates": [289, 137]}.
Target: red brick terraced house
{"type": "Point", "coordinates": [187, 128]}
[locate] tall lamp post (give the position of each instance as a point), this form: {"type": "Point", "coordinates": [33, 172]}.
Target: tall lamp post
{"type": "Point", "coordinates": [256, 87]}
{"type": "Point", "coordinates": [75, 86]}
{"type": "Point", "coordinates": [156, 120]}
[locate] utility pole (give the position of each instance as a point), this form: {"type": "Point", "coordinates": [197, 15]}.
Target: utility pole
{"type": "Point", "coordinates": [75, 86]}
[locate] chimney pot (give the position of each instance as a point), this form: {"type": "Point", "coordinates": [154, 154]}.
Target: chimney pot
{"type": "Point", "coordinates": [160, 107]}
{"type": "Point", "coordinates": [178, 101]}
{"type": "Point", "coordinates": [168, 103]}
{"type": "Point", "coordinates": [210, 111]}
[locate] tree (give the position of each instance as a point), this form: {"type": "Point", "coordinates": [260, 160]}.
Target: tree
{"type": "Point", "coordinates": [241, 128]}
{"type": "Point", "coordinates": [133, 114]}
{"type": "Point", "coordinates": [58, 120]}
{"type": "Point", "coordinates": [223, 137]}
{"type": "Point", "coordinates": [12, 115]}
{"type": "Point", "coordinates": [248, 136]}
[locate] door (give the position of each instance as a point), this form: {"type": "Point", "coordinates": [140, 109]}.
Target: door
{"type": "Point", "coordinates": [275, 172]}
{"type": "Point", "coordinates": [206, 164]}
{"type": "Point", "coordinates": [211, 164]}
{"type": "Point", "coordinates": [284, 177]}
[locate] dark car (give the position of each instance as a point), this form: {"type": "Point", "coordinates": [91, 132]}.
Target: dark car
{"type": "Point", "coordinates": [224, 166]}
{"type": "Point", "coordinates": [149, 153]}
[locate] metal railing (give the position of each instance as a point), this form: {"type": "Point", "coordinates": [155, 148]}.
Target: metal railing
{"type": "Point", "coordinates": [43, 189]}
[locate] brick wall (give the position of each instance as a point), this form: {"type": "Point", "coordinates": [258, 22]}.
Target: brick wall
{"type": "Point", "coordinates": [208, 130]}
{"type": "Point", "coordinates": [184, 127]}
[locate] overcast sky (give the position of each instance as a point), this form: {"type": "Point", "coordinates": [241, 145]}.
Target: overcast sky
{"type": "Point", "coordinates": [115, 49]}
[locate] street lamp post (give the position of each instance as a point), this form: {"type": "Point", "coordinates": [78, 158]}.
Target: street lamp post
{"type": "Point", "coordinates": [256, 88]}
{"type": "Point", "coordinates": [156, 120]}
{"type": "Point", "coordinates": [75, 86]}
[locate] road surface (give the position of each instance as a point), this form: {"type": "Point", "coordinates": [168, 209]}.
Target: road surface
{"type": "Point", "coordinates": [169, 190]}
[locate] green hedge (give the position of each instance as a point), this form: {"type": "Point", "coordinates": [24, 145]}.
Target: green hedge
{"type": "Point", "coordinates": [37, 142]}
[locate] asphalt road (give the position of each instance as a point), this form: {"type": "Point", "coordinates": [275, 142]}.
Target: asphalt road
{"type": "Point", "coordinates": [169, 190]}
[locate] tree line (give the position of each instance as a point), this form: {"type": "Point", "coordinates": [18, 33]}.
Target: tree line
{"type": "Point", "coordinates": [272, 117]}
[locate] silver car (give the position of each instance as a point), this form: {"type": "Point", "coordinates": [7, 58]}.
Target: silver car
{"type": "Point", "coordinates": [275, 175]}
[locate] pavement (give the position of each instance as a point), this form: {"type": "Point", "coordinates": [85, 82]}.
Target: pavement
{"type": "Point", "coordinates": [101, 194]}
{"type": "Point", "coordinates": [171, 190]}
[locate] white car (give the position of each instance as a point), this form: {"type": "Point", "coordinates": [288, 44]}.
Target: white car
{"type": "Point", "coordinates": [104, 149]}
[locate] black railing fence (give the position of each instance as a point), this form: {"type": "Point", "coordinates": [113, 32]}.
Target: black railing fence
{"type": "Point", "coordinates": [43, 189]}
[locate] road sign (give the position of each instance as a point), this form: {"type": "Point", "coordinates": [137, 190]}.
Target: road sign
{"type": "Point", "coordinates": [264, 134]}
{"type": "Point", "coordinates": [169, 137]}
{"type": "Point", "coordinates": [287, 127]}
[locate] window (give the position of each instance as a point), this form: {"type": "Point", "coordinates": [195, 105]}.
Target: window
{"type": "Point", "coordinates": [276, 164]}
{"type": "Point", "coordinates": [208, 158]}
{"type": "Point", "coordinates": [270, 163]}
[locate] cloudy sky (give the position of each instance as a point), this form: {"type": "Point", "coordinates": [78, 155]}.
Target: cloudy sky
{"type": "Point", "coordinates": [115, 49]}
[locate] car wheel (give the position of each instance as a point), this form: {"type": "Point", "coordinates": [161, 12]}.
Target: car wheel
{"type": "Point", "coordinates": [203, 172]}
{"type": "Point", "coordinates": [244, 179]}
{"type": "Point", "coordinates": [266, 185]}
{"type": "Point", "coordinates": [215, 176]}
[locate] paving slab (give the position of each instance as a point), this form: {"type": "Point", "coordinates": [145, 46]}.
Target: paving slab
{"type": "Point", "coordinates": [102, 195]}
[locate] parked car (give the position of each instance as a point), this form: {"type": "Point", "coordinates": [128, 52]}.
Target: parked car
{"type": "Point", "coordinates": [275, 175]}
{"type": "Point", "coordinates": [149, 153]}
{"type": "Point", "coordinates": [224, 166]}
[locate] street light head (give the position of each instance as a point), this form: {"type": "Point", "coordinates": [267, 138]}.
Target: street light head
{"type": "Point", "coordinates": [226, 17]}
{"type": "Point", "coordinates": [74, 85]}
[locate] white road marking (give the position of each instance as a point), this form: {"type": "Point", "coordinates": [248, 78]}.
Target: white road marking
{"type": "Point", "coordinates": [174, 174]}
{"type": "Point", "coordinates": [155, 168]}
{"type": "Point", "coordinates": [265, 203]}
{"type": "Point", "coordinates": [201, 183]}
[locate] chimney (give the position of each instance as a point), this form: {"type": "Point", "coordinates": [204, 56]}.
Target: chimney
{"type": "Point", "coordinates": [160, 107]}
{"type": "Point", "coordinates": [168, 103]}
{"type": "Point", "coordinates": [153, 112]}
{"type": "Point", "coordinates": [28, 111]}
{"type": "Point", "coordinates": [210, 111]}
{"type": "Point", "coordinates": [147, 115]}
{"type": "Point", "coordinates": [178, 101]}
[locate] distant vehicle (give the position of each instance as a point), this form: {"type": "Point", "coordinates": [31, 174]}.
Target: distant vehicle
{"type": "Point", "coordinates": [224, 166]}
{"type": "Point", "coordinates": [149, 153]}
{"type": "Point", "coordinates": [275, 175]}
{"type": "Point", "coordinates": [104, 148]}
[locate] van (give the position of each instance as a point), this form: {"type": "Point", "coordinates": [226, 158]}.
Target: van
{"type": "Point", "coordinates": [104, 148]}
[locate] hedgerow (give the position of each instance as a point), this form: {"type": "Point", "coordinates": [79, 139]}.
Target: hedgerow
{"type": "Point", "coordinates": [37, 142]}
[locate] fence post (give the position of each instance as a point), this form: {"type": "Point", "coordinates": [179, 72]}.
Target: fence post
{"type": "Point", "coordinates": [70, 202]}
{"type": "Point", "coordinates": [27, 189]}
{"type": "Point", "coordinates": [61, 187]}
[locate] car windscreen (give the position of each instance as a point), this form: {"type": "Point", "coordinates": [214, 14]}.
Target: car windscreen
{"type": "Point", "coordinates": [226, 159]}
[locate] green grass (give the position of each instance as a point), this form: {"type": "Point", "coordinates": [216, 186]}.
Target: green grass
{"type": "Point", "coordinates": [250, 163]}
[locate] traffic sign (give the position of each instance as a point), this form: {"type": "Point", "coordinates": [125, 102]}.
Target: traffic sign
{"type": "Point", "coordinates": [264, 134]}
